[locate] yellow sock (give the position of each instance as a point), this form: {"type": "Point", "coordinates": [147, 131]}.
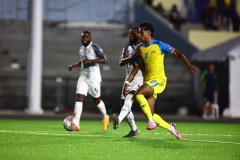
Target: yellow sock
{"type": "Point", "coordinates": [144, 105]}
{"type": "Point", "coordinates": [160, 122]}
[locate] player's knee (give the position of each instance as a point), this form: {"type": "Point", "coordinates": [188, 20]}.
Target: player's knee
{"type": "Point", "coordinates": [79, 98]}
{"type": "Point", "coordinates": [97, 101]}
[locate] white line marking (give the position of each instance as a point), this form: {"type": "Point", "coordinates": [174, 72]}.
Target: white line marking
{"type": "Point", "coordinates": [209, 141]}
{"type": "Point", "coordinates": [222, 135]}
{"type": "Point", "coordinates": [105, 135]}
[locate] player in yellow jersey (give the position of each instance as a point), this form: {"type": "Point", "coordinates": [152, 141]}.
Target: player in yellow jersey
{"type": "Point", "coordinates": [150, 56]}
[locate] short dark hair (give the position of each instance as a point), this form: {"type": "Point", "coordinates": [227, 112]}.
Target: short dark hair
{"type": "Point", "coordinates": [134, 29]}
{"type": "Point", "coordinates": [84, 32]}
{"type": "Point", "coordinates": [147, 26]}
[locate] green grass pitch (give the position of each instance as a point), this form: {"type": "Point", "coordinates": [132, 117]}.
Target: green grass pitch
{"type": "Point", "coordinates": [47, 139]}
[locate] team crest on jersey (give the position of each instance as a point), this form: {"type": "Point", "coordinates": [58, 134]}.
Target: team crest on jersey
{"type": "Point", "coordinates": [88, 51]}
{"type": "Point", "coordinates": [145, 55]}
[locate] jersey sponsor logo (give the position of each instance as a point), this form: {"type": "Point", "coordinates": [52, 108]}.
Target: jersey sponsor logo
{"type": "Point", "coordinates": [153, 51]}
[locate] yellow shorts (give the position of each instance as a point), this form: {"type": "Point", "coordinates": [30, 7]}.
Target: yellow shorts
{"type": "Point", "coordinates": [158, 86]}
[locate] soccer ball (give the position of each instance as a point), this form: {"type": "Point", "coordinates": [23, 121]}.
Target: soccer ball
{"type": "Point", "coordinates": [69, 123]}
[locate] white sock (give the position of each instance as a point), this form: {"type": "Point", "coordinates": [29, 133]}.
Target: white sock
{"type": "Point", "coordinates": [102, 109]}
{"type": "Point", "coordinates": [151, 121]}
{"type": "Point", "coordinates": [126, 107]}
{"type": "Point", "coordinates": [78, 111]}
{"type": "Point", "coordinates": [130, 121]}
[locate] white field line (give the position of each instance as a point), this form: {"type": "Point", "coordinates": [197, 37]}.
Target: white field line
{"type": "Point", "coordinates": [209, 141]}
{"type": "Point", "coordinates": [101, 135]}
{"type": "Point", "coordinates": [221, 135]}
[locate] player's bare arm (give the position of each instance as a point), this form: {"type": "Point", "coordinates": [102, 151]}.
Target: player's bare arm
{"type": "Point", "coordinates": [70, 67]}
{"type": "Point", "coordinates": [125, 59]}
{"type": "Point", "coordinates": [191, 67]}
{"type": "Point", "coordinates": [137, 56]}
{"type": "Point", "coordinates": [101, 59]}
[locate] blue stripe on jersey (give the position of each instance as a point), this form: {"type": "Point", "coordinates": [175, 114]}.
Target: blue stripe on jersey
{"type": "Point", "coordinates": [141, 44]}
{"type": "Point", "coordinates": [154, 85]}
{"type": "Point", "coordinates": [97, 49]}
{"type": "Point", "coordinates": [165, 48]}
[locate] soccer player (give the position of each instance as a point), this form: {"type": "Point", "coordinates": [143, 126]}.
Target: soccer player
{"type": "Point", "coordinates": [127, 96]}
{"type": "Point", "coordinates": [91, 55]}
{"type": "Point", "coordinates": [150, 58]}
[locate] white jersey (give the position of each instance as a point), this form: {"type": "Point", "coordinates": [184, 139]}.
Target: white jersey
{"type": "Point", "coordinates": [90, 71]}
{"type": "Point", "coordinates": [129, 50]}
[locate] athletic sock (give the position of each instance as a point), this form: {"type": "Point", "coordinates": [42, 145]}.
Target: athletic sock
{"type": "Point", "coordinates": [130, 120]}
{"type": "Point", "coordinates": [102, 109]}
{"type": "Point", "coordinates": [126, 107]}
{"type": "Point", "coordinates": [144, 106]}
{"type": "Point", "coordinates": [160, 122]}
{"type": "Point", "coordinates": [78, 111]}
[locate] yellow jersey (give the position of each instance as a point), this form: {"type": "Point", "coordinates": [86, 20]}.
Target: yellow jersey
{"type": "Point", "coordinates": [153, 59]}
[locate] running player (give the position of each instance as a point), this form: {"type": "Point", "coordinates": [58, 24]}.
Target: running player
{"type": "Point", "coordinates": [90, 78]}
{"type": "Point", "coordinates": [150, 58]}
{"type": "Point", "coordinates": [127, 96]}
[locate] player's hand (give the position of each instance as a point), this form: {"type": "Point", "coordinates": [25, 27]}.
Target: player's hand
{"type": "Point", "coordinates": [192, 68]}
{"type": "Point", "coordinates": [125, 89]}
{"type": "Point", "coordinates": [70, 67]}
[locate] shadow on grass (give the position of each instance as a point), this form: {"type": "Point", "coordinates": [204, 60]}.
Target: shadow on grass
{"type": "Point", "coordinates": [155, 143]}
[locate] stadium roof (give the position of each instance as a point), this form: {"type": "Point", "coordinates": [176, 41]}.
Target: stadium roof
{"type": "Point", "coordinates": [218, 53]}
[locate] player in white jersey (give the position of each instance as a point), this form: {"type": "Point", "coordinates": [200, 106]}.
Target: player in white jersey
{"type": "Point", "coordinates": [90, 77]}
{"type": "Point", "coordinates": [128, 95]}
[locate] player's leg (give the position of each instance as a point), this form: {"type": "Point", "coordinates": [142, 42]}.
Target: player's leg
{"type": "Point", "coordinates": [159, 88]}
{"type": "Point", "coordinates": [81, 92]}
{"type": "Point", "coordinates": [206, 106]}
{"type": "Point", "coordinates": [134, 130]}
{"type": "Point", "coordinates": [95, 91]}
{"type": "Point", "coordinates": [126, 107]}
{"type": "Point", "coordinates": [101, 107]}
{"type": "Point", "coordinates": [157, 119]}
{"type": "Point", "coordinates": [78, 108]}
{"type": "Point", "coordinates": [170, 127]}
{"type": "Point", "coordinates": [143, 91]}
{"type": "Point", "coordinates": [204, 113]}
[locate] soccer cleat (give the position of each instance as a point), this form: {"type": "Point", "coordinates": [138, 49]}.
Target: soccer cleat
{"type": "Point", "coordinates": [115, 121]}
{"type": "Point", "coordinates": [151, 126]}
{"type": "Point", "coordinates": [105, 123]}
{"type": "Point", "coordinates": [173, 131]}
{"type": "Point", "coordinates": [77, 128]}
{"type": "Point", "coordinates": [132, 134]}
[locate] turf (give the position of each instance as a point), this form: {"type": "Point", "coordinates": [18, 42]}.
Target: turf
{"type": "Point", "coordinates": [46, 139]}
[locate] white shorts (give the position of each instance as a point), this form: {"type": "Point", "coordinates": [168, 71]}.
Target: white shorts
{"type": "Point", "coordinates": [133, 86]}
{"type": "Point", "coordinates": [85, 86]}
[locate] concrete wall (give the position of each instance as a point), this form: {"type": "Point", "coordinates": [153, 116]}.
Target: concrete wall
{"type": "Point", "coordinates": [207, 39]}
